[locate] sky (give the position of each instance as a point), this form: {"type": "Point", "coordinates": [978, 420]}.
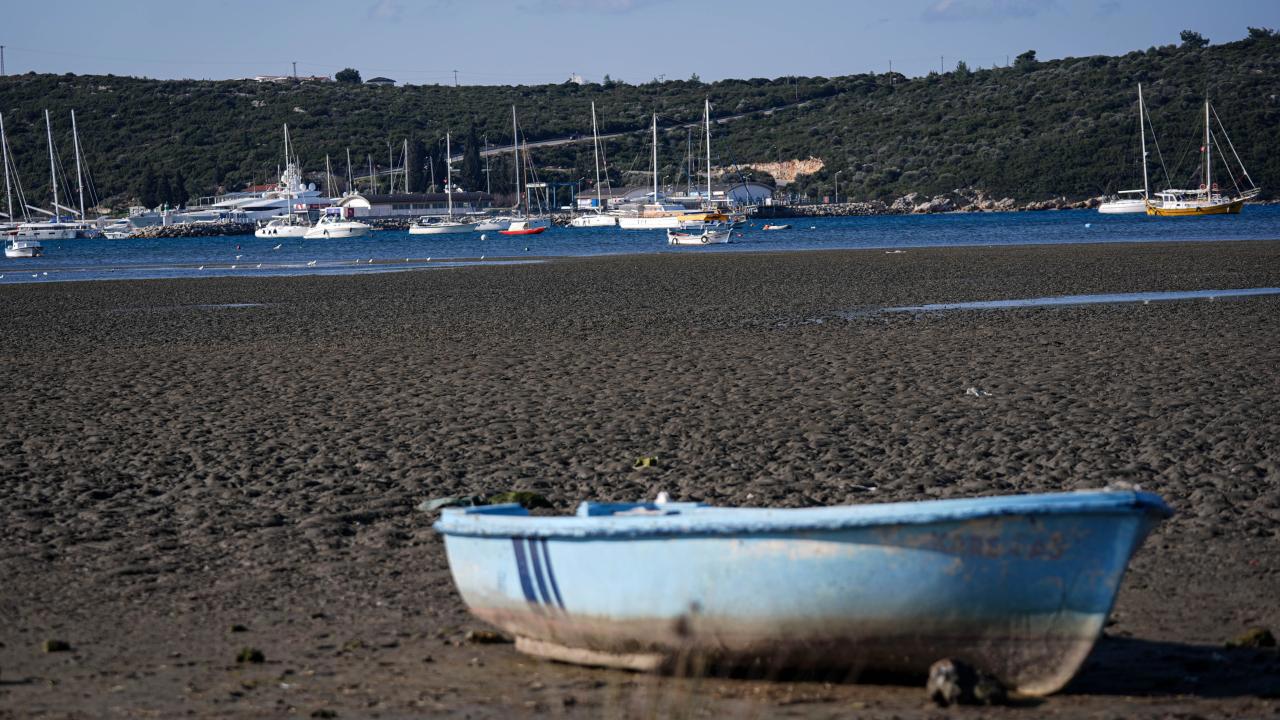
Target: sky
{"type": "Point", "coordinates": [545, 41]}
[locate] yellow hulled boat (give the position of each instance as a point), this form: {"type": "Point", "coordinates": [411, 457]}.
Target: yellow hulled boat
{"type": "Point", "coordinates": [1208, 199]}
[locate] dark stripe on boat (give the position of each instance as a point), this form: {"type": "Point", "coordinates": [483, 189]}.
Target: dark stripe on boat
{"type": "Point", "coordinates": [522, 567]}
{"type": "Point", "coordinates": [551, 575]}
{"type": "Point", "coordinates": [537, 571]}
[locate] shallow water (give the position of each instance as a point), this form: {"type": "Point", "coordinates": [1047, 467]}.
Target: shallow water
{"type": "Point", "coordinates": [397, 250]}
{"type": "Point", "coordinates": [1143, 297]}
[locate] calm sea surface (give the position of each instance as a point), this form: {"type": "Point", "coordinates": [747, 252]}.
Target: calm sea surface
{"type": "Point", "coordinates": [400, 251]}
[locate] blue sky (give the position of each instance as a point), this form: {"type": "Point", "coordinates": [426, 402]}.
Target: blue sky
{"type": "Point", "coordinates": [539, 41]}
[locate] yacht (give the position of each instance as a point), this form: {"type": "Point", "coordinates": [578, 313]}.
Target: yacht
{"type": "Point", "coordinates": [283, 226]}
{"type": "Point", "coordinates": [1119, 204]}
{"type": "Point", "coordinates": [333, 226]}
{"type": "Point", "coordinates": [499, 222]}
{"type": "Point", "coordinates": [1209, 198]}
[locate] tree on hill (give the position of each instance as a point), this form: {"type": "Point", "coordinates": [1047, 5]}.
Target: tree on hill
{"type": "Point", "coordinates": [1193, 40]}
{"type": "Point", "coordinates": [1026, 62]}
{"type": "Point", "coordinates": [148, 188]}
{"type": "Point", "coordinates": [415, 181]}
{"type": "Point", "coordinates": [962, 69]}
{"type": "Point", "coordinates": [1261, 33]}
{"type": "Point", "coordinates": [348, 75]}
{"type": "Point", "coordinates": [180, 194]}
{"type": "Point", "coordinates": [472, 172]}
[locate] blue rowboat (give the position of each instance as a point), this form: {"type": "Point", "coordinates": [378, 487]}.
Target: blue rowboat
{"type": "Point", "coordinates": [1018, 586]}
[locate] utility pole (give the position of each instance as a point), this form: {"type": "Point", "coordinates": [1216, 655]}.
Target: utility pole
{"type": "Point", "coordinates": [1, 61]}
{"type": "Point", "coordinates": [295, 71]}
{"type": "Point", "coordinates": [942, 64]}
{"type": "Point", "coordinates": [488, 188]}
{"type": "Point", "coordinates": [455, 78]}
{"type": "Point", "coordinates": [838, 186]}
{"type": "Point", "coordinates": [890, 73]}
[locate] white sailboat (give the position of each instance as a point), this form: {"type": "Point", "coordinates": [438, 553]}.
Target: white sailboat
{"type": "Point", "coordinates": [13, 247]}
{"type": "Point", "coordinates": [597, 218]}
{"type": "Point", "coordinates": [521, 224]}
{"type": "Point", "coordinates": [447, 225]}
{"type": "Point", "coordinates": [289, 224]}
{"type": "Point", "coordinates": [704, 233]}
{"type": "Point", "coordinates": [55, 228]}
{"type": "Point", "coordinates": [655, 215]}
{"type": "Point", "coordinates": [1138, 204]}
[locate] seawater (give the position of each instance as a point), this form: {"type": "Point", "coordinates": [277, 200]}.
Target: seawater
{"type": "Point", "coordinates": [400, 251]}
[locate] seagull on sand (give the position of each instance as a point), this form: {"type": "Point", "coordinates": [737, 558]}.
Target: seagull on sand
{"type": "Point", "coordinates": [239, 256]}
{"type": "Point", "coordinates": [311, 264]}
{"type": "Point", "coordinates": [278, 246]}
{"type": "Point", "coordinates": [200, 268]}
{"type": "Point", "coordinates": [259, 265]}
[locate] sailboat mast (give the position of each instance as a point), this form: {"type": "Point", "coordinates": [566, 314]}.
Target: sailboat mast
{"type": "Point", "coordinates": [706, 111]}
{"type": "Point", "coordinates": [1208, 154]}
{"type": "Point", "coordinates": [448, 174]}
{"type": "Point", "coordinates": [406, 164]}
{"type": "Point", "coordinates": [4, 150]}
{"type": "Point", "coordinates": [655, 158]}
{"type": "Point", "coordinates": [515, 150]}
{"type": "Point", "coordinates": [1142, 131]}
{"type": "Point", "coordinates": [595, 145]}
{"type": "Point", "coordinates": [351, 187]}
{"type": "Point", "coordinates": [373, 182]}
{"type": "Point", "coordinates": [75, 140]}
{"type": "Point", "coordinates": [53, 175]}
{"type": "Point", "coordinates": [287, 158]}
{"type": "Point", "coordinates": [328, 177]}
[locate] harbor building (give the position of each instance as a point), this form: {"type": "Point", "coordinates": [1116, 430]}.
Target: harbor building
{"type": "Point", "coordinates": [413, 204]}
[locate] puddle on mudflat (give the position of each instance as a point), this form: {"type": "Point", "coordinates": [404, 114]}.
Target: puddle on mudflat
{"type": "Point", "coordinates": [1142, 297]}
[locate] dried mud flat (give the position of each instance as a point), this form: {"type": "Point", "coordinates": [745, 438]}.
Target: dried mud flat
{"type": "Point", "coordinates": [190, 468]}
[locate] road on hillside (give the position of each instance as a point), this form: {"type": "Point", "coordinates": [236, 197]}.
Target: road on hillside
{"type": "Point", "coordinates": [555, 142]}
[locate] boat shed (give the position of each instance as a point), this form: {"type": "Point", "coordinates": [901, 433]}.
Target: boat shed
{"type": "Point", "coordinates": [414, 204]}
{"type": "Point", "coordinates": [380, 81]}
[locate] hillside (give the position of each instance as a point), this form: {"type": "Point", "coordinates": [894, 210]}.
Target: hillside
{"type": "Point", "coordinates": [1032, 131]}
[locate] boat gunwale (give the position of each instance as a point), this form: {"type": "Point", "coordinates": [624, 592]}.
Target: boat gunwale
{"type": "Point", "coordinates": [511, 520]}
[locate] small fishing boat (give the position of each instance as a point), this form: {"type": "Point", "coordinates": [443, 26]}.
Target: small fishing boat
{"type": "Point", "coordinates": [776, 227]}
{"type": "Point", "coordinates": [23, 248]}
{"type": "Point", "coordinates": [525, 227]}
{"type": "Point", "coordinates": [1018, 586]}
{"type": "Point", "coordinates": [699, 235]}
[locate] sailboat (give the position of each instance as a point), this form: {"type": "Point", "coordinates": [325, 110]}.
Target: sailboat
{"type": "Point", "coordinates": [597, 218]}
{"type": "Point", "coordinates": [289, 224]}
{"type": "Point", "coordinates": [709, 214]}
{"type": "Point", "coordinates": [1121, 205]}
{"type": "Point", "coordinates": [55, 228]}
{"type": "Point", "coordinates": [654, 215]}
{"type": "Point", "coordinates": [13, 246]}
{"type": "Point", "coordinates": [429, 225]}
{"type": "Point", "coordinates": [521, 224]}
{"type": "Point", "coordinates": [1209, 198]}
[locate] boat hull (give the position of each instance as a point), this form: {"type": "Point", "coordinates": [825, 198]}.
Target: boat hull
{"type": "Point", "coordinates": [523, 231]}
{"type": "Point", "coordinates": [295, 231]}
{"type": "Point", "coordinates": [649, 223]}
{"type": "Point", "coordinates": [1017, 592]}
{"type": "Point", "coordinates": [1224, 208]}
{"type": "Point", "coordinates": [1122, 207]}
{"type": "Point", "coordinates": [457, 229]}
{"type": "Point", "coordinates": [336, 233]}
{"type": "Point", "coordinates": [594, 220]}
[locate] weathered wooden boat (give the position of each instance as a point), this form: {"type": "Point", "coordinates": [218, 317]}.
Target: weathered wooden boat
{"type": "Point", "coordinates": [1019, 586]}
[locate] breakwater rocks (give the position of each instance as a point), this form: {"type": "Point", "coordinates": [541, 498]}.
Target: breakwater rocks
{"type": "Point", "coordinates": [194, 230]}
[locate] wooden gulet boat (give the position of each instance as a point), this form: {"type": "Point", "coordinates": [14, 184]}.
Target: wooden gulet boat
{"type": "Point", "coordinates": [1018, 586]}
{"type": "Point", "coordinates": [1209, 198]}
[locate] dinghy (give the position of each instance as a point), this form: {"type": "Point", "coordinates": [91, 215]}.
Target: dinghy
{"type": "Point", "coordinates": [1018, 586]}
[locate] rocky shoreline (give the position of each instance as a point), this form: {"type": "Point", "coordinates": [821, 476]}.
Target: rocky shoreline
{"type": "Point", "coordinates": [188, 230]}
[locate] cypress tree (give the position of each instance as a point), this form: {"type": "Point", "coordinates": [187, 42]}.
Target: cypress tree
{"type": "Point", "coordinates": [472, 171]}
